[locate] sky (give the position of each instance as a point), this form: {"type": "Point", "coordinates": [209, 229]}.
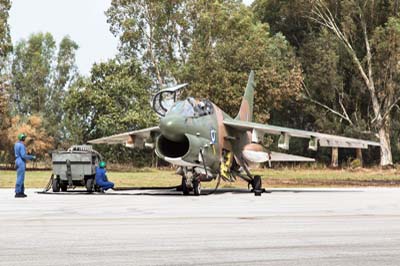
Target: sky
{"type": "Point", "coordinates": [83, 20]}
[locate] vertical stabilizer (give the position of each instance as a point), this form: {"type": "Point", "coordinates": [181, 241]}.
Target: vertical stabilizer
{"type": "Point", "coordinates": [246, 108]}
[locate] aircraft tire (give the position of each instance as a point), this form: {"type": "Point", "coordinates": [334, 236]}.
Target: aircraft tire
{"type": "Point", "coordinates": [63, 187]}
{"type": "Point", "coordinates": [257, 185]}
{"type": "Point", "coordinates": [196, 187]}
{"type": "Point", "coordinates": [90, 185]}
{"type": "Point", "coordinates": [56, 185]}
{"type": "Point", "coordinates": [185, 189]}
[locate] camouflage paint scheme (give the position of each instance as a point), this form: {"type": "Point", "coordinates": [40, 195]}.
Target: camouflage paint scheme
{"type": "Point", "coordinates": [200, 128]}
{"type": "Point", "coordinates": [185, 137]}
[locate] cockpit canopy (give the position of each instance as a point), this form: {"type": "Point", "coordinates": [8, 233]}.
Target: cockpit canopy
{"type": "Point", "coordinates": [165, 102]}
{"type": "Point", "coordinates": [192, 108]}
{"type": "Point", "coordinates": [165, 98]}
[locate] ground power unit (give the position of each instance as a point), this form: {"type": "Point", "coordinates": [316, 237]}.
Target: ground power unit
{"type": "Point", "coordinates": [75, 167]}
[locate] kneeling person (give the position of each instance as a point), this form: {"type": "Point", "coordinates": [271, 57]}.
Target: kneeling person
{"type": "Point", "coordinates": [101, 177]}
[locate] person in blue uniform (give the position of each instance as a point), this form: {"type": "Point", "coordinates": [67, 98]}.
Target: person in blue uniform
{"type": "Point", "coordinates": [20, 163]}
{"type": "Point", "coordinates": [101, 177]}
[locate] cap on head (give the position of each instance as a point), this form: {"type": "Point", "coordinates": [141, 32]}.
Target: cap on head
{"type": "Point", "coordinates": [21, 136]}
{"type": "Point", "coordinates": [102, 164]}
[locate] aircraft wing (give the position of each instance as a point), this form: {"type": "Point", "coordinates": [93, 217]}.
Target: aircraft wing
{"type": "Point", "coordinates": [284, 157]}
{"type": "Point", "coordinates": [324, 140]}
{"type": "Point", "coordinates": [132, 139]}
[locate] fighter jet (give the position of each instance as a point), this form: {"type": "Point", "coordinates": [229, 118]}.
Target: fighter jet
{"type": "Point", "coordinates": [206, 143]}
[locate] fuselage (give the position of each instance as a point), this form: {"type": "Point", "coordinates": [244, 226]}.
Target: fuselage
{"type": "Point", "coordinates": [193, 134]}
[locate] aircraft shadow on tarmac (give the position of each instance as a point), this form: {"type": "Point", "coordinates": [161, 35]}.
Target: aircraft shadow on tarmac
{"type": "Point", "coordinates": [205, 192]}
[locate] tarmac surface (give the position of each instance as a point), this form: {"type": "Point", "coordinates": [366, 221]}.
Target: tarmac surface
{"type": "Point", "coordinates": [285, 227]}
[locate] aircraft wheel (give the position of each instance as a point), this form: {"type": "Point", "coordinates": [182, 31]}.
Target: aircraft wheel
{"type": "Point", "coordinates": [56, 185]}
{"type": "Point", "coordinates": [90, 185]}
{"type": "Point", "coordinates": [185, 189]}
{"type": "Point", "coordinates": [197, 187]}
{"type": "Point", "coordinates": [257, 185]}
{"type": "Point", "coordinates": [63, 187]}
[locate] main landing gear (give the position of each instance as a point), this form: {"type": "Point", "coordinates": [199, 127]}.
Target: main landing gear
{"type": "Point", "coordinates": [230, 169]}
{"type": "Point", "coordinates": [256, 184]}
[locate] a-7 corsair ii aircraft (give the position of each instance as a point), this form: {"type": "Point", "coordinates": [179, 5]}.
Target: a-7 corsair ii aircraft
{"type": "Point", "coordinates": [207, 143]}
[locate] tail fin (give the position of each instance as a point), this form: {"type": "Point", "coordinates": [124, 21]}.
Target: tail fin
{"type": "Point", "coordinates": [246, 108]}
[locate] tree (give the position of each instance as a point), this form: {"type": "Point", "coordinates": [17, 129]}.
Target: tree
{"type": "Point", "coordinates": [39, 142]}
{"type": "Point", "coordinates": [289, 17]}
{"type": "Point", "coordinates": [5, 49]}
{"type": "Point", "coordinates": [114, 99]}
{"type": "Point", "coordinates": [62, 77]}
{"type": "Point", "coordinates": [337, 108]}
{"type": "Point", "coordinates": [31, 70]}
{"type": "Point", "coordinates": [41, 73]}
{"type": "Point", "coordinates": [5, 38]}
{"type": "Point", "coordinates": [213, 45]}
{"type": "Point", "coordinates": [155, 32]}
{"type": "Point", "coordinates": [371, 40]}
{"type": "Point", "coordinates": [227, 43]}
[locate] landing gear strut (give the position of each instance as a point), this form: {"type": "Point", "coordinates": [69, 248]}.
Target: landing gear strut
{"type": "Point", "coordinates": [185, 189]}
{"type": "Point", "coordinates": [254, 181]}
{"type": "Point", "coordinates": [196, 186]}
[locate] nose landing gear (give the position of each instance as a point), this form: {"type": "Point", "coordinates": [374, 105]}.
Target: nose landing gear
{"type": "Point", "coordinates": [185, 188]}
{"type": "Point", "coordinates": [196, 187]}
{"type": "Point", "coordinates": [190, 182]}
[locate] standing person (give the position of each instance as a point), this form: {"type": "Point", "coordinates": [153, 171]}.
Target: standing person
{"type": "Point", "coordinates": [20, 163]}
{"type": "Point", "coordinates": [101, 177]}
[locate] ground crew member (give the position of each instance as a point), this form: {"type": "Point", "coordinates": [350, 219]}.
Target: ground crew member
{"type": "Point", "coordinates": [101, 177]}
{"type": "Point", "coordinates": [20, 164]}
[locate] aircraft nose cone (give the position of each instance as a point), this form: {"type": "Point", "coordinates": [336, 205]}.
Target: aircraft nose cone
{"type": "Point", "coordinates": [173, 128]}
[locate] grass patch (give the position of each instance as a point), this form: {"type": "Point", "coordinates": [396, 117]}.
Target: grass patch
{"type": "Point", "coordinates": [271, 178]}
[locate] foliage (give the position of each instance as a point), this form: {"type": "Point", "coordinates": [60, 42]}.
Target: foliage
{"type": "Point", "coordinates": [5, 49]}
{"type": "Point", "coordinates": [213, 45]}
{"type": "Point", "coordinates": [41, 73]}
{"type": "Point", "coordinates": [31, 69]}
{"type": "Point", "coordinates": [114, 99]}
{"type": "Point", "coordinates": [5, 37]}
{"type": "Point", "coordinates": [38, 141]}
{"type": "Point", "coordinates": [335, 58]}
{"type": "Point", "coordinates": [227, 43]}
{"type": "Point", "coordinates": [356, 30]}
{"type": "Point", "coordinates": [155, 32]}
{"type": "Point", "coordinates": [289, 17]}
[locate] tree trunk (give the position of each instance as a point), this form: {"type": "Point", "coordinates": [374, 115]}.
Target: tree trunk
{"type": "Point", "coordinates": [384, 139]}
{"type": "Point", "coordinates": [359, 156]}
{"type": "Point", "coordinates": [335, 157]}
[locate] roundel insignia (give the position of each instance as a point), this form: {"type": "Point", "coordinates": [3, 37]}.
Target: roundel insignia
{"type": "Point", "coordinates": [213, 135]}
